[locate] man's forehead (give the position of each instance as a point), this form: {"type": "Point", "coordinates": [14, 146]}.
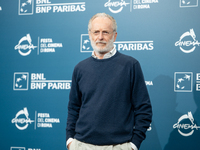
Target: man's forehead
{"type": "Point", "coordinates": [101, 23]}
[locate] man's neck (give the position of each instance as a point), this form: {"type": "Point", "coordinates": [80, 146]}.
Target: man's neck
{"type": "Point", "coordinates": [101, 55]}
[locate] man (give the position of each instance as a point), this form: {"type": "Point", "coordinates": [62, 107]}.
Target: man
{"type": "Point", "coordinates": [109, 106]}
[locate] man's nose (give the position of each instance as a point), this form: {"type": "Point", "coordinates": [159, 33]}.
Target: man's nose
{"type": "Point", "coordinates": [100, 35]}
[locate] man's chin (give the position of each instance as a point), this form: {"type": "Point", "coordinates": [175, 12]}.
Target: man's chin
{"type": "Point", "coordinates": [101, 51]}
{"type": "Point", "coordinates": [100, 46]}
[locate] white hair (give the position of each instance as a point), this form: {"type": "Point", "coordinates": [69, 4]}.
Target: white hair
{"type": "Point", "coordinates": [114, 24]}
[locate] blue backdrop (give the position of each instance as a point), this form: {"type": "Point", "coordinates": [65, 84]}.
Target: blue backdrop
{"type": "Point", "coordinates": [42, 40]}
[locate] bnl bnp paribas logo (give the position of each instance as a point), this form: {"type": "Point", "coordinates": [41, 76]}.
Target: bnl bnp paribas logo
{"type": "Point", "coordinates": [26, 7]}
{"type": "Point", "coordinates": [188, 3]}
{"type": "Point", "coordinates": [187, 42]}
{"type": "Point", "coordinates": [186, 125]}
{"type": "Point", "coordinates": [115, 6]}
{"type": "Point", "coordinates": [23, 148]}
{"type": "Point", "coordinates": [38, 82]}
{"type": "Point", "coordinates": [17, 148]}
{"type": "Point", "coordinates": [85, 45]}
{"type": "Point", "coordinates": [183, 81]}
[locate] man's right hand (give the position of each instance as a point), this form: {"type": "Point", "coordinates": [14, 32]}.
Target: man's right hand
{"type": "Point", "coordinates": [68, 146]}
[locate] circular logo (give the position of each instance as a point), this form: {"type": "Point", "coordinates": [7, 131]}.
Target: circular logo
{"type": "Point", "coordinates": [22, 123]}
{"type": "Point", "coordinates": [116, 4]}
{"type": "Point", "coordinates": [187, 46]}
{"type": "Point", "coordinates": [25, 49]}
{"type": "Point", "coordinates": [186, 125]}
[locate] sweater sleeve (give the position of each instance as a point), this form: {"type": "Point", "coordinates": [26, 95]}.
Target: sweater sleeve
{"type": "Point", "coordinates": [141, 105]}
{"type": "Point", "coordinates": [73, 107]}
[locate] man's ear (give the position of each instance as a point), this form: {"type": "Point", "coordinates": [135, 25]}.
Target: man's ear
{"type": "Point", "coordinates": [89, 35]}
{"type": "Point", "coordinates": [115, 36]}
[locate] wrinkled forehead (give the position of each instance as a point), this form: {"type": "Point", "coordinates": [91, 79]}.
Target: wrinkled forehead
{"type": "Point", "coordinates": [101, 23]}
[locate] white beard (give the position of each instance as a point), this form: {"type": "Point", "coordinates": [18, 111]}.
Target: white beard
{"type": "Point", "coordinates": [107, 48]}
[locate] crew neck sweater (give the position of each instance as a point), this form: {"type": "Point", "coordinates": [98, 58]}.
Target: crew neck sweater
{"type": "Point", "coordinates": [109, 103]}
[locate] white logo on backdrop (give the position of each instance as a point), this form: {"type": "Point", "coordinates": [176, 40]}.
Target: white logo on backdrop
{"type": "Point", "coordinates": [26, 7]}
{"type": "Point", "coordinates": [23, 148]}
{"type": "Point", "coordinates": [85, 43]}
{"type": "Point", "coordinates": [183, 81]}
{"type": "Point", "coordinates": [17, 148]}
{"type": "Point", "coordinates": [133, 45]}
{"type": "Point", "coordinates": [26, 48]}
{"type": "Point", "coordinates": [189, 127]}
{"type": "Point", "coordinates": [20, 81]}
{"type": "Point", "coordinates": [188, 46]}
{"type": "Point", "coordinates": [119, 45]}
{"type": "Point", "coordinates": [143, 4]}
{"type": "Point", "coordinates": [42, 120]}
{"type": "Point", "coordinates": [22, 121]}
{"type": "Point", "coordinates": [46, 7]}
{"type": "Point", "coordinates": [188, 3]}
{"type": "Point", "coordinates": [117, 5]}
{"type": "Point", "coordinates": [45, 45]}
{"type": "Point", "coordinates": [198, 81]}
{"type": "Point", "coordinates": [0, 8]}
{"type": "Point", "coordinates": [38, 82]}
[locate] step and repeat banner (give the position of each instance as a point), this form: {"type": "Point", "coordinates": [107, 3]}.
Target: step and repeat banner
{"type": "Point", "coordinates": [42, 40]}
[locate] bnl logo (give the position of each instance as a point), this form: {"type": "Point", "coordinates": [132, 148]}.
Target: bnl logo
{"type": "Point", "coordinates": [20, 81]}
{"type": "Point", "coordinates": [85, 44]}
{"type": "Point", "coordinates": [17, 148]}
{"type": "Point", "coordinates": [188, 3]}
{"type": "Point", "coordinates": [198, 82]}
{"type": "Point", "coordinates": [25, 7]}
{"type": "Point", "coordinates": [183, 81]}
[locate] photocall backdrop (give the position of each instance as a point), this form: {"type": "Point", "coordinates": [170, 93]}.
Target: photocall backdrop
{"type": "Point", "coordinates": [42, 40]}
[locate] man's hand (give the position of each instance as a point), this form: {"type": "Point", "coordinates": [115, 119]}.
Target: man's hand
{"type": "Point", "coordinates": [68, 146]}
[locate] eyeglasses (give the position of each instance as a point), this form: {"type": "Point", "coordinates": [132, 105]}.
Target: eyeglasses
{"type": "Point", "coordinates": [96, 33]}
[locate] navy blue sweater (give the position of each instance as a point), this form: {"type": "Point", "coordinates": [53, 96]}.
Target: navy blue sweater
{"type": "Point", "coordinates": [109, 103]}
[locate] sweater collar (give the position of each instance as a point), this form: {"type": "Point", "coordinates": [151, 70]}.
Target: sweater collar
{"type": "Point", "coordinates": [107, 55]}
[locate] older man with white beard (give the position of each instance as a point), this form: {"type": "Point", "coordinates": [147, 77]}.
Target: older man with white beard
{"type": "Point", "coordinates": [109, 106]}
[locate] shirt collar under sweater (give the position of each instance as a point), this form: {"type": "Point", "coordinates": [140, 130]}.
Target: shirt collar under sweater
{"type": "Point", "coordinates": [107, 55]}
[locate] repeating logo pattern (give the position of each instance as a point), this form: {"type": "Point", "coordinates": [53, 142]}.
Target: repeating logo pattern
{"type": "Point", "coordinates": [115, 6]}
{"type": "Point", "coordinates": [198, 82]}
{"type": "Point", "coordinates": [186, 125]}
{"type": "Point", "coordinates": [26, 7]}
{"type": "Point", "coordinates": [187, 42]}
{"type": "Point", "coordinates": [38, 82]}
{"type": "Point", "coordinates": [17, 148]}
{"type": "Point", "coordinates": [183, 81]}
{"type": "Point", "coordinates": [45, 45]}
{"type": "Point", "coordinates": [21, 81]}
{"type": "Point", "coordinates": [42, 120]}
{"type": "Point", "coordinates": [22, 122]}
{"type": "Point", "coordinates": [85, 43]}
{"type": "Point", "coordinates": [23, 148]}
{"type": "Point", "coordinates": [188, 3]}
{"type": "Point", "coordinates": [25, 45]}
{"type": "Point", "coordinates": [119, 45]}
